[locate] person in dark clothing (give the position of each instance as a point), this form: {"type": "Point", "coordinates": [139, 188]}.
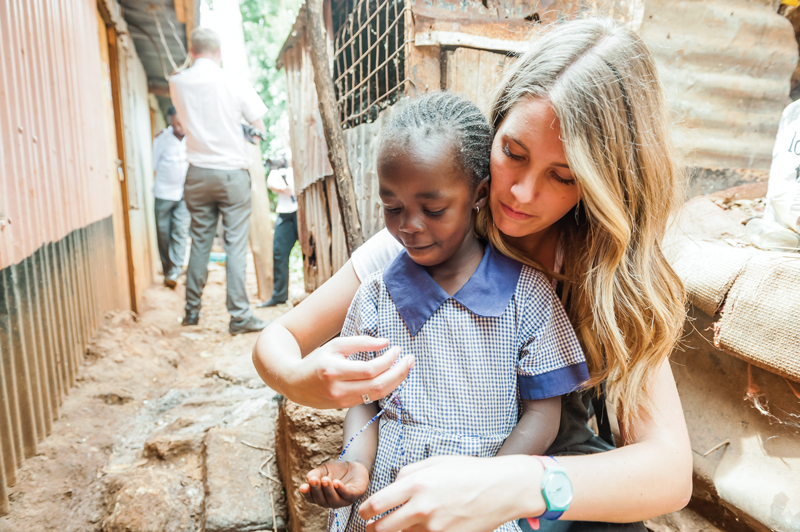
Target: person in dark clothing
{"type": "Point", "coordinates": [281, 181]}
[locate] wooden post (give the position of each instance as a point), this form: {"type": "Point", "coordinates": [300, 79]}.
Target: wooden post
{"type": "Point", "coordinates": [260, 225]}
{"type": "Point", "coordinates": [330, 124]}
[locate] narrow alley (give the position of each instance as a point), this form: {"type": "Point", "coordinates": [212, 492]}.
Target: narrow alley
{"type": "Point", "coordinates": [165, 429]}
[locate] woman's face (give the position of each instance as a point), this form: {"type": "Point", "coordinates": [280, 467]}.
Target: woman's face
{"type": "Point", "coordinates": [532, 186]}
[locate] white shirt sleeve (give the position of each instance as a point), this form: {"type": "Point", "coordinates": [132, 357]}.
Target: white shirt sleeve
{"type": "Point", "coordinates": [274, 180]}
{"type": "Point", "coordinates": [375, 254]}
{"type": "Point", "coordinates": [158, 151]}
{"type": "Point", "coordinates": [252, 106]}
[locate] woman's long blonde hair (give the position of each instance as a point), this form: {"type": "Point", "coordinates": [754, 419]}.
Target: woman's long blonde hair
{"type": "Point", "coordinates": [626, 303]}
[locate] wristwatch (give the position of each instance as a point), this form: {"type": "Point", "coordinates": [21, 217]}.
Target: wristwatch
{"type": "Point", "coordinates": [556, 491]}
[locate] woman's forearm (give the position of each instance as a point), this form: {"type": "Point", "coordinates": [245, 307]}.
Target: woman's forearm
{"type": "Point", "coordinates": [276, 356]}
{"type": "Point", "coordinates": [647, 478]}
{"type": "Point", "coordinates": [634, 483]}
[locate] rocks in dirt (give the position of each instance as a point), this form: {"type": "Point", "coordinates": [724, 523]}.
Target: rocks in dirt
{"type": "Point", "coordinates": [684, 520]}
{"type": "Point", "coordinates": [143, 500]}
{"type": "Point", "coordinates": [237, 487]}
{"type": "Point", "coordinates": [112, 398]}
{"type": "Point", "coordinates": [172, 446]}
{"type": "Point", "coordinates": [219, 374]}
{"type": "Point", "coordinates": [305, 438]}
{"type": "Point", "coordinates": [172, 358]}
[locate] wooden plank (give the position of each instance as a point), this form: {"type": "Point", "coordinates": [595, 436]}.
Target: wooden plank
{"type": "Point", "coordinates": [474, 74]}
{"type": "Point", "coordinates": [260, 225]}
{"type": "Point", "coordinates": [318, 46]}
{"type": "Point", "coordinates": [338, 241]}
{"type": "Point", "coordinates": [180, 11]}
{"type": "Point", "coordinates": [114, 58]}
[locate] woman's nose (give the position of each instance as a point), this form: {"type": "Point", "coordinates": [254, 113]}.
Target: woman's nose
{"type": "Point", "coordinates": [526, 189]}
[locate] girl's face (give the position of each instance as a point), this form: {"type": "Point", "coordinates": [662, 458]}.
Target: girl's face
{"type": "Point", "coordinates": [532, 186]}
{"type": "Point", "coordinates": [428, 201]}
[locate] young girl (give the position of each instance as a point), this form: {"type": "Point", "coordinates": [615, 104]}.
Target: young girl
{"type": "Point", "coordinates": [494, 350]}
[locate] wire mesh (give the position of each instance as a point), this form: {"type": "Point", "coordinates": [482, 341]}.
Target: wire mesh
{"type": "Point", "coordinates": [370, 44]}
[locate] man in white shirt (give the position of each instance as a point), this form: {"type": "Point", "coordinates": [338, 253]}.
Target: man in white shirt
{"type": "Point", "coordinates": [281, 181]}
{"type": "Point", "coordinates": [172, 217]}
{"type": "Point", "coordinates": [212, 105]}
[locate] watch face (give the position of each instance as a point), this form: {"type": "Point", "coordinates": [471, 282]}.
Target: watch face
{"type": "Point", "coordinates": [558, 491]}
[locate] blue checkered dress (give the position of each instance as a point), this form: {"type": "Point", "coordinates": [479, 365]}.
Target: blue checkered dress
{"type": "Point", "coordinates": [504, 336]}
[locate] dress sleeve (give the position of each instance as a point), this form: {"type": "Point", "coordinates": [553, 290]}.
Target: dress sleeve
{"type": "Point", "coordinates": [362, 316]}
{"type": "Point", "coordinates": [375, 254]}
{"type": "Point", "coordinates": [551, 361]}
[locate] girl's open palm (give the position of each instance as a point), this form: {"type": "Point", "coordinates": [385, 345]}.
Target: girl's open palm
{"type": "Point", "coordinates": [336, 484]}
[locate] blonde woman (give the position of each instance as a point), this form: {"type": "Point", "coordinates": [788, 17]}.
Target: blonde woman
{"type": "Point", "coordinates": [583, 181]}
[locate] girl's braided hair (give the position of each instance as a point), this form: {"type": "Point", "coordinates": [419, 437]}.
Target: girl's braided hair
{"type": "Point", "coordinates": [451, 116]}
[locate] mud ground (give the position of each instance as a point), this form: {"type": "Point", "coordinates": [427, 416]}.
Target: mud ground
{"type": "Point", "coordinates": [148, 394]}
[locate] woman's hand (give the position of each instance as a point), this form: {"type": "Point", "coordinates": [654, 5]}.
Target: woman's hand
{"type": "Point", "coordinates": [336, 484]}
{"type": "Point", "coordinates": [458, 493]}
{"type": "Point", "coordinates": [327, 379]}
{"type": "Point", "coordinates": [291, 355]}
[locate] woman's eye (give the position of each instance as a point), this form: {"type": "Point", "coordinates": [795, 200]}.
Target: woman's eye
{"type": "Point", "coordinates": [562, 180]}
{"type": "Point", "coordinates": [435, 213]}
{"type": "Point", "coordinates": [391, 210]}
{"type": "Point", "coordinates": [511, 155]}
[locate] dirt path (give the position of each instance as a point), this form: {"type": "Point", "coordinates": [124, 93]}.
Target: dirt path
{"type": "Point", "coordinates": [133, 442]}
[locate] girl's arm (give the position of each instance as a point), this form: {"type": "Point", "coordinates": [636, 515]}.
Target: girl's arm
{"type": "Point", "coordinates": [288, 356]}
{"type": "Point", "coordinates": [537, 427]}
{"type": "Point", "coordinates": [647, 478]}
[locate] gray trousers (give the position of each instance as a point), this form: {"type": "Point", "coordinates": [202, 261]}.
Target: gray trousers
{"type": "Point", "coordinates": [172, 228]}
{"type": "Point", "coordinates": [209, 193]}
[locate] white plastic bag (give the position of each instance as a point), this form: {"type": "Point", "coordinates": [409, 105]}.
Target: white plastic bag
{"type": "Point", "coordinates": [783, 195]}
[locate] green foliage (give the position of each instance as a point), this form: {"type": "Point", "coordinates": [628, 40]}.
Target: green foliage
{"type": "Point", "coordinates": [266, 24]}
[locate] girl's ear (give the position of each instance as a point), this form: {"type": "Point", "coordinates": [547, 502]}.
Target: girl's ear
{"type": "Point", "coordinates": [481, 194]}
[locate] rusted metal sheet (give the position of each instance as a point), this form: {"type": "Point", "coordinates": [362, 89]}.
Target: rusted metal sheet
{"type": "Point", "coordinates": [362, 152]}
{"type": "Point", "coordinates": [58, 268]}
{"type": "Point", "coordinates": [307, 140]}
{"type": "Point", "coordinates": [320, 232]}
{"type": "Point", "coordinates": [726, 66]}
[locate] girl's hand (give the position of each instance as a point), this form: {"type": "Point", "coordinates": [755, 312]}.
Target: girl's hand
{"type": "Point", "coordinates": [336, 484]}
{"type": "Point", "coordinates": [327, 379]}
{"type": "Point", "coordinates": [458, 493]}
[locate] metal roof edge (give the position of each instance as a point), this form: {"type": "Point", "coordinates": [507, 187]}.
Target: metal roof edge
{"type": "Point", "coordinates": [294, 35]}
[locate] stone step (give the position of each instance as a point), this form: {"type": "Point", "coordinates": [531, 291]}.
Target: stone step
{"type": "Point", "coordinates": [240, 496]}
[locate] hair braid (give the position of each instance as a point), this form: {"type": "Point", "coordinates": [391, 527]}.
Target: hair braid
{"type": "Point", "coordinates": [445, 114]}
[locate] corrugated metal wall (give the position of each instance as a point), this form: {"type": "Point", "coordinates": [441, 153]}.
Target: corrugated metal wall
{"type": "Point", "coordinates": [726, 66]}
{"type": "Point", "coordinates": [58, 266]}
